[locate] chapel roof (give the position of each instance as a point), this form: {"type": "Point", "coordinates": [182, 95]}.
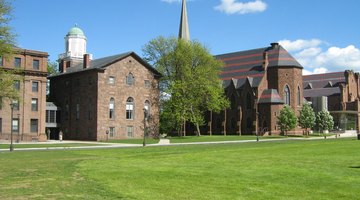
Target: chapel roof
{"type": "Point", "coordinates": [323, 84]}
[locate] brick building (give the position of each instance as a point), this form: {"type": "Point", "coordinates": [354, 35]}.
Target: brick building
{"type": "Point", "coordinates": [29, 111]}
{"type": "Point", "coordinates": [258, 83]}
{"type": "Point", "coordinates": [103, 98]}
{"type": "Point", "coordinates": [339, 92]}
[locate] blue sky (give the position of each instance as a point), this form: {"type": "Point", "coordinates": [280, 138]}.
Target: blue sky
{"type": "Point", "coordinates": [324, 35]}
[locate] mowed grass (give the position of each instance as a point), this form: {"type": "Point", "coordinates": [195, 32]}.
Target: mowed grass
{"type": "Point", "coordinates": [316, 169]}
{"type": "Point", "coordinates": [217, 138]}
{"type": "Point", "coordinates": [40, 145]}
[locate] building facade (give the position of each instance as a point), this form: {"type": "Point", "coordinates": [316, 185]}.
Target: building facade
{"type": "Point", "coordinates": [28, 118]}
{"type": "Point", "coordinates": [105, 98]}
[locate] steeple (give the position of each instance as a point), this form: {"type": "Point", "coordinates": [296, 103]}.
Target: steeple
{"type": "Point", "coordinates": [184, 25]}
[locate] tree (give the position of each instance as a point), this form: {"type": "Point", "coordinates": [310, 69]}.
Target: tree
{"type": "Point", "coordinates": [7, 41]}
{"type": "Point", "coordinates": [307, 117]}
{"type": "Point", "coordinates": [52, 68]}
{"type": "Point", "coordinates": [190, 85]}
{"type": "Point", "coordinates": [324, 120]}
{"type": "Point", "coordinates": [287, 119]}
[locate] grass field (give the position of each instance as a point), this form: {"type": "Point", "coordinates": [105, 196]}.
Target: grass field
{"type": "Point", "coordinates": [40, 145]}
{"type": "Point", "coordinates": [316, 169]}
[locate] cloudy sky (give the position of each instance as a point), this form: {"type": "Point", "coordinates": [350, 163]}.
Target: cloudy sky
{"type": "Point", "coordinates": [323, 35]}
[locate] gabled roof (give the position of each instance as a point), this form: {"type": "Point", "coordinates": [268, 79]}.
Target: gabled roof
{"type": "Point", "coordinates": [323, 84]}
{"type": "Point", "coordinates": [104, 62]}
{"type": "Point", "coordinates": [243, 64]}
{"type": "Point", "coordinates": [270, 96]}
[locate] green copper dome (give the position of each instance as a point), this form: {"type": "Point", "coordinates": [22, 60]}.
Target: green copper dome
{"type": "Point", "coordinates": [76, 31]}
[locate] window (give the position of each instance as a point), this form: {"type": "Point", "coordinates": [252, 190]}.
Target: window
{"type": "Point", "coordinates": [111, 108]}
{"type": "Point", "coordinates": [15, 125]}
{"type": "Point", "coordinates": [17, 62]}
{"type": "Point", "coordinates": [66, 110]}
{"type": "Point", "coordinates": [147, 108]}
{"type": "Point", "coordinates": [0, 125]}
{"type": "Point", "coordinates": [36, 64]}
{"type": "Point", "coordinates": [111, 80]}
{"type": "Point", "coordinates": [130, 79]}
{"type": "Point", "coordinates": [130, 131]}
{"type": "Point", "coordinates": [17, 84]}
{"type": "Point", "coordinates": [16, 104]}
{"type": "Point", "coordinates": [248, 101]}
{"type": "Point", "coordinates": [147, 84]}
{"type": "Point", "coordinates": [1, 61]}
{"type": "Point", "coordinates": [130, 108]}
{"type": "Point", "coordinates": [35, 86]}
{"type": "Point", "coordinates": [78, 111]}
{"type": "Point", "coordinates": [287, 95]}
{"type": "Point", "coordinates": [299, 96]}
{"type": "Point", "coordinates": [34, 104]}
{"type": "Point", "coordinates": [34, 125]}
{"type": "Point", "coordinates": [111, 131]}
{"type": "Point", "coordinates": [233, 102]}
{"type": "Point", "coordinates": [50, 116]}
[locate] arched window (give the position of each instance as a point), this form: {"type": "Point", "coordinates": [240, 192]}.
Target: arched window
{"type": "Point", "coordinates": [299, 96]}
{"type": "Point", "coordinates": [248, 101]}
{"type": "Point", "coordinates": [130, 79]}
{"type": "Point", "coordinates": [111, 108]}
{"type": "Point", "coordinates": [233, 102]}
{"type": "Point", "coordinates": [147, 108]}
{"type": "Point", "coordinates": [287, 95]}
{"type": "Point", "coordinates": [130, 108]}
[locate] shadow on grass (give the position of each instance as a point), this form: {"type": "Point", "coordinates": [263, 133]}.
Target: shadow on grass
{"type": "Point", "coordinates": [355, 167]}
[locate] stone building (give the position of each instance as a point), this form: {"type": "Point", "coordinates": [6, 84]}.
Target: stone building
{"type": "Point", "coordinates": [258, 83]}
{"type": "Point", "coordinates": [338, 92]}
{"type": "Point", "coordinates": [103, 98]}
{"type": "Point", "coordinates": [28, 118]}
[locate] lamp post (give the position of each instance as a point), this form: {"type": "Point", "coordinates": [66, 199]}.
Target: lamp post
{"type": "Point", "coordinates": [11, 133]}
{"type": "Point", "coordinates": [145, 115]}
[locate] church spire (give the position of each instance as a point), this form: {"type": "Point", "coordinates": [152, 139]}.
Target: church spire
{"type": "Point", "coordinates": [184, 25]}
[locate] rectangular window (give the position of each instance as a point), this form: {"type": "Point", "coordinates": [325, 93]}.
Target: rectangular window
{"type": "Point", "coordinates": [111, 131]}
{"type": "Point", "coordinates": [15, 125]}
{"type": "Point", "coordinates": [34, 104]}
{"type": "Point", "coordinates": [16, 104]}
{"type": "Point", "coordinates": [130, 131]}
{"type": "Point", "coordinates": [111, 80]}
{"type": "Point", "coordinates": [35, 86]}
{"type": "Point", "coordinates": [77, 111]}
{"type": "Point", "coordinates": [147, 84]}
{"type": "Point", "coordinates": [34, 125]}
{"type": "Point", "coordinates": [36, 64]}
{"type": "Point", "coordinates": [17, 62]}
{"type": "Point", "coordinates": [17, 84]}
{"type": "Point", "coordinates": [0, 125]}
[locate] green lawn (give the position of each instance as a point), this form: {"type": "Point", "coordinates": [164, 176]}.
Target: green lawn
{"type": "Point", "coordinates": [215, 138]}
{"type": "Point", "coordinates": [320, 169]}
{"type": "Point", "coordinates": [39, 145]}
{"type": "Point", "coordinates": [134, 141]}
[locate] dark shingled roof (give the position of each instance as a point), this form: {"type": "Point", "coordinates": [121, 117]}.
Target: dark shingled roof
{"type": "Point", "coordinates": [243, 64]}
{"type": "Point", "coordinates": [270, 96]}
{"type": "Point", "coordinates": [323, 84]}
{"type": "Point", "coordinates": [104, 62]}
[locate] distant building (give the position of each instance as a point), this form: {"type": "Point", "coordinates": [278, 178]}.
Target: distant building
{"type": "Point", "coordinates": [28, 118]}
{"type": "Point", "coordinates": [103, 98]}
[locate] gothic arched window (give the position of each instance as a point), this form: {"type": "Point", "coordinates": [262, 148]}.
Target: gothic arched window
{"type": "Point", "coordinates": [130, 79]}
{"type": "Point", "coordinates": [111, 108]}
{"type": "Point", "coordinates": [287, 95]}
{"type": "Point", "coordinates": [130, 108]}
{"type": "Point", "coordinates": [233, 102]}
{"type": "Point", "coordinates": [299, 96]}
{"type": "Point", "coordinates": [248, 101]}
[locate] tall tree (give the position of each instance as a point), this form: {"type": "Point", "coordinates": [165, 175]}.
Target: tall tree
{"type": "Point", "coordinates": [7, 41]}
{"type": "Point", "coordinates": [324, 120]}
{"type": "Point", "coordinates": [307, 117]}
{"type": "Point", "coordinates": [287, 119]}
{"type": "Point", "coordinates": [190, 85]}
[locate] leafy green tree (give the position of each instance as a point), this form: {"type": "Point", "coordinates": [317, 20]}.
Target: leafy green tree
{"type": "Point", "coordinates": [7, 41]}
{"type": "Point", "coordinates": [190, 85]}
{"type": "Point", "coordinates": [52, 68]}
{"type": "Point", "coordinates": [287, 119]}
{"type": "Point", "coordinates": [324, 120]}
{"type": "Point", "coordinates": [307, 117]}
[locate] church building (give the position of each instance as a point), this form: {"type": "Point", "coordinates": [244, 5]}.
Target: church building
{"type": "Point", "coordinates": [105, 98]}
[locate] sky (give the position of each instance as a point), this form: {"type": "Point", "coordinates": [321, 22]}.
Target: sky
{"type": "Point", "coordinates": [323, 35]}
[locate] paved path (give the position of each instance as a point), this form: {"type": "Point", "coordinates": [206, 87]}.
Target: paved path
{"type": "Point", "coordinates": [162, 142]}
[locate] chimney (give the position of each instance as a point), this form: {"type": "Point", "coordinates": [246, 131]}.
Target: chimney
{"type": "Point", "coordinates": [265, 60]}
{"type": "Point", "coordinates": [274, 45]}
{"type": "Point", "coordinates": [86, 61]}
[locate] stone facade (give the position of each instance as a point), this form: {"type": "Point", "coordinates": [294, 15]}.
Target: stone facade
{"type": "Point", "coordinates": [84, 93]}
{"type": "Point", "coordinates": [31, 113]}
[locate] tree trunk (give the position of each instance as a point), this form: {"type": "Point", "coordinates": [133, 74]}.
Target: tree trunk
{"type": "Point", "coordinates": [198, 129]}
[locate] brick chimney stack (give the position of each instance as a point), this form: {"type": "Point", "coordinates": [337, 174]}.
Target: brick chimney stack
{"type": "Point", "coordinates": [86, 61]}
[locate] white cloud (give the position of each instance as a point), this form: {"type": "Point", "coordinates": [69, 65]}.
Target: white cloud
{"type": "Point", "coordinates": [234, 7]}
{"type": "Point", "coordinates": [313, 57]}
